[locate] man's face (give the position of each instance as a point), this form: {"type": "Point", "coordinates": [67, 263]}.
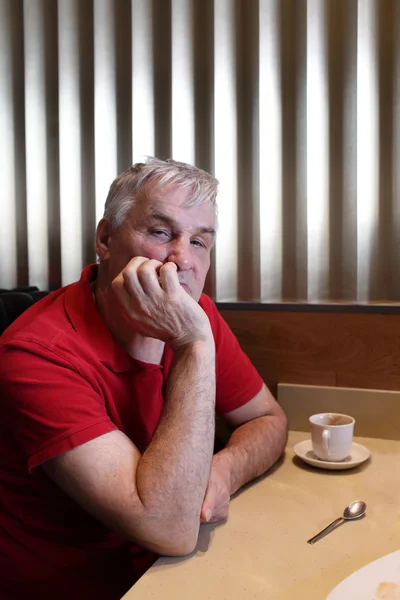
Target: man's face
{"type": "Point", "coordinates": [162, 227]}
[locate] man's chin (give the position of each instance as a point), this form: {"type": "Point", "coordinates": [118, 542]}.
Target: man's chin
{"type": "Point", "coordinates": [186, 288]}
{"type": "Point", "coordinates": [189, 291]}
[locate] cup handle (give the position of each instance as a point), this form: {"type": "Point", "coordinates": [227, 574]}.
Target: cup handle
{"type": "Point", "coordinates": [326, 434]}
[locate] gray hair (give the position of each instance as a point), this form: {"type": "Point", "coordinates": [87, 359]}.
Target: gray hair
{"type": "Point", "coordinates": [203, 187]}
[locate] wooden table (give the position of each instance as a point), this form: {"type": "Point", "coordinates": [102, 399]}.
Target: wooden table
{"type": "Point", "coordinates": [261, 552]}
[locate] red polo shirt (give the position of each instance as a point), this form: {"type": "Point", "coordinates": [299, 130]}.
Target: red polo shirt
{"type": "Point", "coordinates": [65, 381]}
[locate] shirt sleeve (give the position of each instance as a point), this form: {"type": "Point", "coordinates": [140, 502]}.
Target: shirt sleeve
{"type": "Point", "coordinates": [48, 406]}
{"type": "Point", "coordinates": [237, 379]}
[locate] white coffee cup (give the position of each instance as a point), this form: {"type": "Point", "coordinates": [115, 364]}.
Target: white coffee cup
{"type": "Point", "coordinates": [331, 435]}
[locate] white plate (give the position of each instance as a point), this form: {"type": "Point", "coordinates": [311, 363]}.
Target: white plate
{"type": "Point", "coordinates": [358, 455]}
{"type": "Point", "coordinates": [379, 579]}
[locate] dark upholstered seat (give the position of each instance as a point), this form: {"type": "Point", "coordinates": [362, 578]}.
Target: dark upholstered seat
{"type": "Point", "coordinates": [14, 302]}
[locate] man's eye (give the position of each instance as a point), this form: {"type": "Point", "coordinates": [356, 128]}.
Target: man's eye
{"type": "Point", "coordinates": [159, 233]}
{"type": "Point", "coordinates": [197, 243]}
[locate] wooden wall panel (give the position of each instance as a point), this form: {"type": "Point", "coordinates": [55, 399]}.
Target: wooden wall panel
{"type": "Point", "coordinates": [335, 349]}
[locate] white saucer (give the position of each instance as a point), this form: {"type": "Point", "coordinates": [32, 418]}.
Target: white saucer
{"type": "Point", "coordinates": [358, 455]}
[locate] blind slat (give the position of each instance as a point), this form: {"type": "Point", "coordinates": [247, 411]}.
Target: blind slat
{"type": "Point", "coordinates": [367, 147]}
{"type": "Point", "coordinates": [105, 102]}
{"type": "Point", "coordinates": [143, 135]}
{"type": "Point", "coordinates": [225, 149]}
{"type": "Point", "coordinates": [317, 153]}
{"type": "Point", "coordinates": [8, 232]}
{"type": "Point", "coordinates": [36, 143]}
{"type": "Point", "coordinates": [183, 147]}
{"type": "Point", "coordinates": [70, 127]}
{"type": "Point", "coordinates": [270, 152]}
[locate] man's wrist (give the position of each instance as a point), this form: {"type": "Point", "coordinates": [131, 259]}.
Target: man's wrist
{"type": "Point", "coordinates": [200, 346]}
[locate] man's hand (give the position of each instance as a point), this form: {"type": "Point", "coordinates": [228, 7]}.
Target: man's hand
{"type": "Point", "coordinates": [157, 306]}
{"type": "Point", "coordinates": [216, 502]}
{"type": "Point", "coordinates": [259, 434]}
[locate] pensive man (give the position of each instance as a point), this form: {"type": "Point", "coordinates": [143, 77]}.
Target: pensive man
{"type": "Point", "coordinates": [110, 387]}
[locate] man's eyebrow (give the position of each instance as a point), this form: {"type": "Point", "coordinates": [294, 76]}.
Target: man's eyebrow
{"type": "Point", "coordinates": [159, 216]}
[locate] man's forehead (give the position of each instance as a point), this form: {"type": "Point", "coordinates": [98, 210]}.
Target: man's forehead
{"type": "Point", "coordinates": [169, 201]}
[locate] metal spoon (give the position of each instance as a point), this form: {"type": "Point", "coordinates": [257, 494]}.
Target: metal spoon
{"type": "Point", "coordinates": [355, 510]}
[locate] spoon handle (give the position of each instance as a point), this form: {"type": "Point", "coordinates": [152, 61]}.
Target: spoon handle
{"type": "Point", "coordinates": [325, 531]}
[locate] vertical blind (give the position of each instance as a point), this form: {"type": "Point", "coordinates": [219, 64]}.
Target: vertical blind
{"type": "Point", "coordinates": [294, 105]}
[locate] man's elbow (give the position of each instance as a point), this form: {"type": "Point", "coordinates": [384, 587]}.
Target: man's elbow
{"type": "Point", "coordinates": [180, 547]}
{"type": "Point", "coordinates": [281, 431]}
{"type": "Point", "coordinates": [183, 541]}
{"type": "Point", "coordinates": [171, 539]}
{"type": "Point", "coordinates": [285, 430]}
{"type": "Point", "coordinates": [283, 422]}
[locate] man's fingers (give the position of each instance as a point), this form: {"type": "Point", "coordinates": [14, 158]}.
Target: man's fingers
{"type": "Point", "coordinates": [215, 505]}
{"type": "Point", "coordinates": [217, 513]}
{"type": "Point", "coordinates": [148, 277]}
{"type": "Point", "coordinates": [140, 274]}
{"type": "Point", "coordinates": [168, 278]}
{"type": "Point", "coordinates": [206, 513]}
{"type": "Point", "coordinates": [208, 503]}
{"type": "Point", "coordinates": [127, 278]}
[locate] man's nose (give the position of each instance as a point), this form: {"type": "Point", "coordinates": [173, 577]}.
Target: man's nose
{"type": "Point", "coordinates": [179, 252]}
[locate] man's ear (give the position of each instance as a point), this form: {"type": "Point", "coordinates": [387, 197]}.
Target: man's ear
{"type": "Point", "coordinates": [103, 239]}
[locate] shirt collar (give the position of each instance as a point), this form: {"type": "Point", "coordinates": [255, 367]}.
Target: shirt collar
{"type": "Point", "coordinates": [87, 321]}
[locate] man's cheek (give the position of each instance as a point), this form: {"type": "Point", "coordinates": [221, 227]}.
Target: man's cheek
{"type": "Point", "coordinates": [155, 253]}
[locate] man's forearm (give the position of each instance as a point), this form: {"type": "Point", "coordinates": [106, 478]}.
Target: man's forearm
{"type": "Point", "coordinates": [252, 449]}
{"type": "Point", "coordinates": [173, 472]}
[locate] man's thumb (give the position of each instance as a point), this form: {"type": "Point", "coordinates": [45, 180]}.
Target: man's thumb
{"type": "Point", "coordinates": [205, 514]}
{"type": "Point", "coordinates": [207, 509]}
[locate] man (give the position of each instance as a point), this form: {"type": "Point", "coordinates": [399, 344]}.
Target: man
{"type": "Point", "coordinates": [110, 389]}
